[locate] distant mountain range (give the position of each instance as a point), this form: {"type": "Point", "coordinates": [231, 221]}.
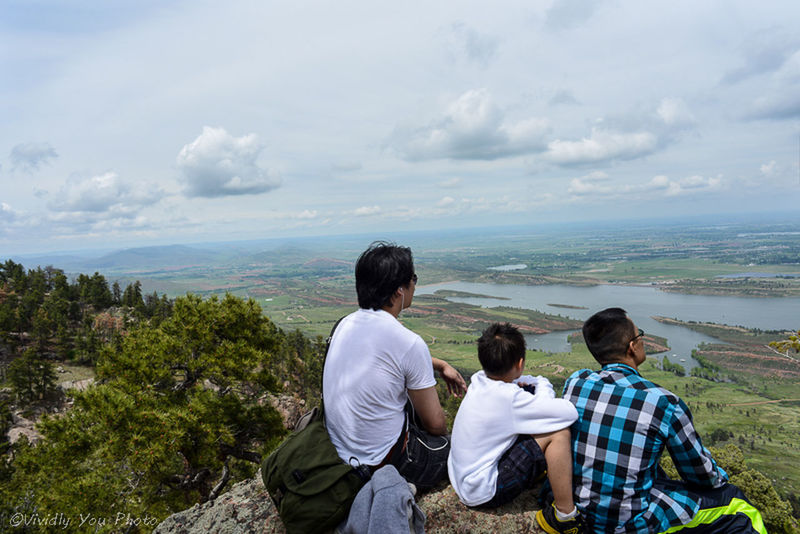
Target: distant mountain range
{"type": "Point", "coordinates": [142, 258]}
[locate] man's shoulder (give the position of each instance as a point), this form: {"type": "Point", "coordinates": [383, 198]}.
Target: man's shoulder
{"type": "Point", "coordinates": [382, 328]}
{"type": "Point", "coordinates": [614, 378]}
{"type": "Point", "coordinates": [652, 388]}
{"type": "Point", "coordinates": [580, 375]}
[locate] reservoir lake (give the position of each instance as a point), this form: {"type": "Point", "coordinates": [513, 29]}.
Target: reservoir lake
{"type": "Point", "coordinates": [641, 303]}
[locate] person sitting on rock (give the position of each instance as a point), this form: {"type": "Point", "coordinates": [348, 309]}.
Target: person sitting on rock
{"type": "Point", "coordinates": [625, 423]}
{"type": "Point", "coordinates": [509, 431]}
{"type": "Point", "coordinates": [375, 366]}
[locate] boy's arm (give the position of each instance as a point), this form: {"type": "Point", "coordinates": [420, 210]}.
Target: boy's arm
{"type": "Point", "coordinates": [542, 386]}
{"type": "Point", "coordinates": [541, 413]}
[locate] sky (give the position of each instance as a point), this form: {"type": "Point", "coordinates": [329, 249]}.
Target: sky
{"type": "Point", "coordinates": [143, 122]}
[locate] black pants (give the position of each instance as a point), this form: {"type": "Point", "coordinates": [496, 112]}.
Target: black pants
{"type": "Point", "coordinates": [420, 457]}
{"type": "Point", "coordinates": [722, 511]}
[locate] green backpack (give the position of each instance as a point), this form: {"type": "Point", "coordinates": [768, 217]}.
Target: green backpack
{"type": "Point", "coordinates": [312, 487]}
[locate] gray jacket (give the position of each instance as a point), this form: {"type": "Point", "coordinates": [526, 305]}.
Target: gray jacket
{"type": "Point", "coordinates": [384, 505]}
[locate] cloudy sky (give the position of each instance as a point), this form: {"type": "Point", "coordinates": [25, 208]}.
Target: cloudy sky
{"type": "Point", "coordinates": [147, 122]}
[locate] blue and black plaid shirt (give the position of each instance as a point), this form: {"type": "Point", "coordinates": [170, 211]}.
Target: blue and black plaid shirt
{"type": "Point", "coordinates": [624, 424]}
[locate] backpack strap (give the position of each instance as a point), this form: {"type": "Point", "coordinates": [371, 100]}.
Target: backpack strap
{"type": "Point", "coordinates": [324, 359]}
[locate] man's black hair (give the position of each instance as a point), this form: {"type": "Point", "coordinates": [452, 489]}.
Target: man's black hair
{"type": "Point", "coordinates": [380, 270]}
{"type": "Point", "coordinates": [499, 348]}
{"type": "Point", "coordinates": [607, 334]}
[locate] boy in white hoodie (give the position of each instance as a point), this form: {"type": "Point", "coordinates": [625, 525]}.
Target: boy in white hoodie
{"type": "Point", "coordinates": [509, 431]}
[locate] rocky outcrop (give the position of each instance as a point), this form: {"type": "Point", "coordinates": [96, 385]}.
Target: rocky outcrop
{"type": "Point", "coordinates": [22, 426]}
{"type": "Point", "coordinates": [247, 509]}
{"type": "Point", "coordinates": [289, 407]}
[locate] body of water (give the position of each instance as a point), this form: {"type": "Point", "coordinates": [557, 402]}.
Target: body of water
{"type": "Point", "coordinates": [641, 303]}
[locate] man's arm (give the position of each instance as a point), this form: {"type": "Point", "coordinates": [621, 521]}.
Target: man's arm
{"type": "Point", "coordinates": [455, 382]}
{"type": "Point", "coordinates": [693, 461]}
{"type": "Point", "coordinates": [426, 404]}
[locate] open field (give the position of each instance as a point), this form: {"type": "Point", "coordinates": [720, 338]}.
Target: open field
{"type": "Point", "coordinates": [744, 352]}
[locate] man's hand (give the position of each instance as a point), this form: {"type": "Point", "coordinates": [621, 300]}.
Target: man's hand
{"type": "Point", "coordinates": [455, 382]}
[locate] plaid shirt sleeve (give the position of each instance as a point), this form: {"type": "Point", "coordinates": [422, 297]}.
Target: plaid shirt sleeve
{"type": "Point", "coordinates": [693, 461]}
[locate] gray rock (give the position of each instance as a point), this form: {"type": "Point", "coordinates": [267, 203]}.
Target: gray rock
{"type": "Point", "coordinates": [245, 509]}
{"type": "Point", "coordinates": [248, 509]}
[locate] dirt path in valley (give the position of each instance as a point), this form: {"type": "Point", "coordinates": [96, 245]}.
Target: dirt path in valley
{"type": "Point", "coordinates": [762, 402]}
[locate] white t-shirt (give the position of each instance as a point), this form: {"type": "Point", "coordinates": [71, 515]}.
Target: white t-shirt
{"type": "Point", "coordinates": [372, 361]}
{"type": "Point", "coordinates": [491, 417]}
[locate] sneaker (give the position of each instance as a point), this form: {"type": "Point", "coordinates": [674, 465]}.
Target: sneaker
{"type": "Point", "coordinates": [548, 522]}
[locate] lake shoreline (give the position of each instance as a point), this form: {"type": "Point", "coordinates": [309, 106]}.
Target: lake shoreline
{"type": "Point", "coordinates": [670, 286]}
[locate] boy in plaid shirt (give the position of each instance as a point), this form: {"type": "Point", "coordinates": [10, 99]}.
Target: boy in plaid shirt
{"type": "Point", "coordinates": [624, 425]}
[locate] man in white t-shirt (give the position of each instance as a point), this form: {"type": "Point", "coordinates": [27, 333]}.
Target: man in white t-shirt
{"type": "Point", "coordinates": [375, 365]}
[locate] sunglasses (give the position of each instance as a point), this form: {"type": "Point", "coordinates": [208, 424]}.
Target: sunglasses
{"type": "Point", "coordinates": [641, 333]}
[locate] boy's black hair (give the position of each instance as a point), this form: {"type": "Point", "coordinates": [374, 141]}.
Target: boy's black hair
{"type": "Point", "coordinates": [607, 334]}
{"type": "Point", "coordinates": [380, 270]}
{"type": "Point", "coordinates": [499, 348]}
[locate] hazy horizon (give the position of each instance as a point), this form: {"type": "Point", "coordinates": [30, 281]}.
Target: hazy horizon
{"type": "Point", "coordinates": [790, 220]}
{"type": "Point", "coordinates": [154, 122]}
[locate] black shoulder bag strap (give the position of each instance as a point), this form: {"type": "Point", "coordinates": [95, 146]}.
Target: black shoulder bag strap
{"type": "Point", "coordinates": [324, 359]}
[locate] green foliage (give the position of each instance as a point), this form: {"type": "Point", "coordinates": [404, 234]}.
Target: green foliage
{"type": "Point", "coordinates": [777, 512]}
{"type": "Point", "coordinates": [791, 343]}
{"type": "Point", "coordinates": [5, 425]}
{"type": "Point", "coordinates": [719, 435]}
{"type": "Point", "coordinates": [41, 308]}
{"type": "Point", "coordinates": [32, 377]}
{"type": "Point", "coordinates": [132, 297]}
{"type": "Point", "coordinates": [178, 412]}
{"type": "Point", "coordinates": [674, 368]}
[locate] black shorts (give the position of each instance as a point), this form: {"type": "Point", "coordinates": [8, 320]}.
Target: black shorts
{"type": "Point", "coordinates": [518, 469]}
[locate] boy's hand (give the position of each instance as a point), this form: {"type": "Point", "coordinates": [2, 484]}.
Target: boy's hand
{"type": "Point", "coordinates": [455, 382]}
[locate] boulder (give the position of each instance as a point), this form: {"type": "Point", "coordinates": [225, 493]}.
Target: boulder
{"type": "Point", "coordinates": [248, 509]}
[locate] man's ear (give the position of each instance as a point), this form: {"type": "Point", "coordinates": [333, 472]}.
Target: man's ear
{"type": "Point", "coordinates": [629, 350]}
{"type": "Point", "coordinates": [520, 365]}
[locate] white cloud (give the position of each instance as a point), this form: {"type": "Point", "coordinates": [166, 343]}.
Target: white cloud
{"type": "Point", "coordinates": [31, 156]}
{"type": "Point", "coordinates": [763, 52]}
{"type": "Point", "coordinates": [307, 214]}
{"type": "Point", "coordinates": [591, 184]}
{"type": "Point", "coordinates": [445, 201]}
{"type": "Point", "coordinates": [476, 47]}
{"type": "Point", "coordinates": [450, 183]}
{"type": "Point", "coordinates": [602, 146]}
{"type": "Point", "coordinates": [675, 113]}
{"type": "Point", "coordinates": [565, 14]}
{"type": "Point", "coordinates": [769, 169]}
{"type": "Point", "coordinates": [781, 99]}
{"type": "Point", "coordinates": [600, 186]}
{"type": "Point", "coordinates": [7, 214]}
{"type": "Point", "coordinates": [365, 211]}
{"type": "Point", "coordinates": [216, 164]}
{"type": "Point", "coordinates": [627, 136]}
{"type": "Point", "coordinates": [104, 193]}
{"type": "Point", "coordinates": [562, 97]}
{"type": "Point", "coordinates": [473, 128]}
{"type": "Point", "coordinates": [694, 184]}
{"type": "Point", "coordinates": [346, 166]}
